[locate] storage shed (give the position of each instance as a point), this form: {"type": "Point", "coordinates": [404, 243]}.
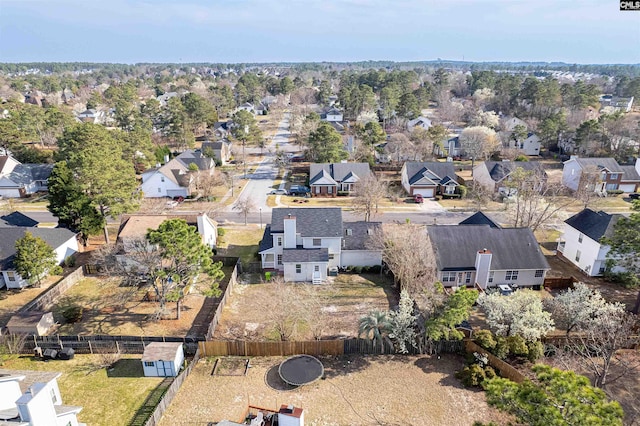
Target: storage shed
{"type": "Point", "coordinates": [162, 359]}
{"type": "Point", "coordinates": [35, 322]}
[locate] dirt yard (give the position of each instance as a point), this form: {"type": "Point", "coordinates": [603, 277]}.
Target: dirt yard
{"type": "Point", "coordinates": [390, 390]}
{"type": "Point", "coordinates": [12, 300]}
{"type": "Point", "coordinates": [338, 305]}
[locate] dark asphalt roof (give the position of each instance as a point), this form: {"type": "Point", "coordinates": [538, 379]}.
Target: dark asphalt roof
{"type": "Point", "coordinates": [360, 234]}
{"type": "Point", "coordinates": [55, 237]}
{"type": "Point", "coordinates": [305, 255]}
{"type": "Point", "coordinates": [512, 248]}
{"type": "Point", "coordinates": [593, 225]}
{"type": "Point", "coordinates": [630, 174]}
{"type": "Point", "coordinates": [607, 162]}
{"type": "Point", "coordinates": [18, 219]}
{"type": "Point", "coordinates": [480, 218]}
{"type": "Point", "coordinates": [415, 170]}
{"type": "Point", "coordinates": [310, 222]}
{"type": "Point", "coordinates": [267, 240]}
{"type": "Point", "coordinates": [498, 170]}
{"type": "Point", "coordinates": [338, 171]}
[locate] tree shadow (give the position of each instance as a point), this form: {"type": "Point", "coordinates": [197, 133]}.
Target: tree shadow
{"type": "Point", "coordinates": [149, 405]}
{"type": "Point", "coordinates": [445, 364]}
{"type": "Point", "coordinates": [126, 368]}
{"type": "Point", "coordinates": [343, 365]}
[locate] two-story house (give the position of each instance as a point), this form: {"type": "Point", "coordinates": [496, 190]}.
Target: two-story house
{"type": "Point", "coordinates": [580, 240]}
{"type": "Point", "coordinates": [326, 179]}
{"type": "Point", "coordinates": [422, 122]}
{"type": "Point", "coordinates": [32, 398]}
{"type": "Point", "coordinates": [487, 255]}
{"type": "Point", "coordinates": [429, 178]}
{"type": "Point", "coordinates": [530, 145]}
{"type": "Point", "coordinates": [305, 243]}
{"type": "Point", "coordinates": [19, 180]}
{"type": "Point", "coordinates": [601, 174]}
{"type": "Point", "coordinates": [221, 150]}
{"type": "Point", "coordinates": [495, 175]}
{"type": "Point", "coordinates": [177, 177]}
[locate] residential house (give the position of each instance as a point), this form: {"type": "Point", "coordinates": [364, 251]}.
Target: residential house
{"type": "Point", "coordinates": [495, 175]}
{"type": "Point", "coordinates": [509, 124]}
{"type": "Point", "coordinates": [222, 129]}
{"type": "Point", "coordinates": [261, 109]}
{"type": "Point", "coordinates": [134, 227]}
{"type": "Point", "coordinates": [616, 103]}
{"type": "Point", "coordinates": [92, 116]}
{"type": "Point", "coordinates": [63, 242]}
{"type": "Point", "coordinates": [603, 174]}
{"type": "Point", "coordinates": [32, 398]}
{"type": "Point", "coordinates": [25, 179]}
{"type": "Point", "coordinates": [630, 180]}
{"type": "Point", "coordinates": [35, 97]}
{"type": "Point", "coordinates": [332, 115]}
{"type": "Point", "coordinates": [67, 95]}
{"type": "Point", "coordinates": [330, 178]}
{"type": "Point", "coordinates": [487, 256]}
{"type": "Point", "coordinates": [480, 218]}
{"type": "Point", "coordinates": [19, 219]}
{"type": "Point", "coordinates": [247, 106]}
{"type": "Point", "coordinates": [429, 178]}
{"type": "Point", "coordinates": [7, 164]}
{"type": "Point", "coordinates": [580, 240]}
{"type": "Point", "coordinates": [221, 150]}
{"type": "Point", "coordinates": [450, 148]}
{"type": "Point", "coordinates": [305, 243]}
{"type": "Point", "coordinates": [175, 178]}
{"type": "Point", "coordinates": [164, 98]}
{"type": "Point", "coordinates": [422, 122]}
{"type": "Point", "coordinates": [31, 323]}
{"type": "Point", "coordinates": [531, 145]}
{"type": "Point", "coordinates": [162, 359]}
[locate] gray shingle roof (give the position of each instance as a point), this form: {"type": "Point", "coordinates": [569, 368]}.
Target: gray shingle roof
{"type": "Point", "coordinates": [338, 171]}
{"type": "Point", "coordinates": [25, 174]}
{"type": "Point", "coordinates": [593, 225]}
{"type": "Point", "coordinates": [310, 222]}
{"type": "Point", "coordinates": [512, 248]}
{"type": "Point", "coordinates": [357, 238]}
{"type": "Point", "coordinates": [267, 240]}
{"type": "Point", "coordinates": [630, 174]}
{"type": "Point", "coordinates": [480, 218]}
{"type": "Point", "coordinates": [415, 170]}
{"type": "Point", "coordinates": [305, 255]}
{"type": "Point", "coordinates": [498, 170]}
{"type": "Point", "coordinates": [55, 237]}
{"type": "Point", "coordinates": [607, 162]}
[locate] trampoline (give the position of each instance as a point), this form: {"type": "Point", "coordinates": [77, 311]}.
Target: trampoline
{"type": "Point", "coordinates": [300, 370]}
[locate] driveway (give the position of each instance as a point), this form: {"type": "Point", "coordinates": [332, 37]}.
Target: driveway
{"type": "Point", "coordinates": [261, 180]}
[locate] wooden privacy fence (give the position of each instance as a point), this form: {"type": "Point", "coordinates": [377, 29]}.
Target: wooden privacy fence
{"type": "Point", "coordinates": [104, 344]}
{"type": "Point", "coordinates": [559, 283]}
{"type": "Point", "coordinates": [502, 368]}
{"type": "Point", "coordinates": [171, 392]}
{"type": "Point", "coordinates": [228, 288]}
{"type": "Point", "coordinates": [49, 297]}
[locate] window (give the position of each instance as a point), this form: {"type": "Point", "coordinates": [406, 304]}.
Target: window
{"type": "Point", "coordinates": [578, 254]}
{"type": "Point", "coordinates": [159, 190]}
{"type": "Point", "coordinates": [612, 186]}
{"type": "Point", "coordinates": [149, 363]}
{"type": "Point", "coordinates": [349, 231]}
{"type": "Point", "coordinates": [316, 268]}
{"type": "Point", "coordinates": [161, 178]}
{"type": "Point", "coordinates": [601, 270]}
{"type": "Point", "coordinates": [490, 277]}
{"type": "Point", "coordinates": [54, 398]}
{"type": "Point", "coordinates": [467, 278]}
{"type": "Point", "coordinates": [580, 238]}
{"type": "Point", "coordinates": [329, 189]}
{"type": "Point", "coordinates": [450, 189]}
{"type": "Point", "coordinates": [279, 259]}
{"type": "Point", "coordinates": [511, 276]}
{"type": "Point", "coordinates": [11, 275]}
{"type": "Point", "coordinates": [317, 241]}
{"type": "Point", "coordinates": [298, 268]}
{"type": "Point", "coordinates": [331, 256]}
{"type": "Point", "coordinates": [449, 277]}
{"type": "Point", "coordinates": [539, 273]}
{"type": "Point", "coordinates": [613, 176]}
{"type": "Point", "coordinates": [279, 241]}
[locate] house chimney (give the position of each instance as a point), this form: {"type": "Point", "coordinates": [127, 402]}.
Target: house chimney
{"type": "Point", "coordinates": [483, 266]}
{"type": "Point", "coordinates": [290, 232]}
{"type": "Point", "coordinates": [166, 158]}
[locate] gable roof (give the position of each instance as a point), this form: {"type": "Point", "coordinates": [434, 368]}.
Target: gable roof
{"type": "Point", "coordinates": [196, 157]}
{"type": "Point", "coordinates": [429, 172]}
{"type": "Point", "coordinates": [161, 351]}
{"type": "Point", "coordinates": [357, 234]}
{"type": "Point", "coordinates": [4, 159]}
{"type": "Point", "coordinates": [419, 120]}
{"type": "Point", "coordinates": [25, 174]}
{"type": "Point", "coordinates": [600, 162]}
{"type": "Point", "coordinates": [593, 225]}
{"type": "Point", "coordinates": [305, 255]}
{"type": "Point", "coordinates": [137, 225]}
{"type": "Point", "coordinates": [18, 219]}
{"type": "Point", "coordinates": [630, 174]}
{"type": "Point", "coordinates": [338, 172]}
{"type": "Point", "coordinates": [310, 222]}
{"type": "Point", "coordinates": [480, 218]}
{"type": "Point", "coordinates": [512, 248]}
{"type": "Point", "coordinates": [55, 237]}
{"type": "Point", "coordinates": [498, 170]}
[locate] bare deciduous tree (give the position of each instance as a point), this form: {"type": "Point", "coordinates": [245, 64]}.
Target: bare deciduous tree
{"type": "Point", "coordinates": [245, 206]}
{"type": "Point", "coordinates": [368, 194]}
{"type": "Point", "coordinates": [588, 187]}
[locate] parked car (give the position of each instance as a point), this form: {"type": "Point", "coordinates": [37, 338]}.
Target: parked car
{"type": "Point", "coordinates": [299, 190]}
{"type": "Point", "coordinates": [278, 192]}
{"type": "Point", "coordinates": [635, 196]}
{"type": "Point", "coordinates": [418, 199]}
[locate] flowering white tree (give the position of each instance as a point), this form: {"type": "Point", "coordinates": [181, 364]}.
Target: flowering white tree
{"type": "Point", "coordinates": [403, 323]}
{"type": "Point", "coordinates": [479, 142]}
{"type": "Point", "coordinates": [518, 314]}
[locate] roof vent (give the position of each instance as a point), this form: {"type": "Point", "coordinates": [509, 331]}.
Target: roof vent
{"type": "Point", "coordinates": [349, 232]}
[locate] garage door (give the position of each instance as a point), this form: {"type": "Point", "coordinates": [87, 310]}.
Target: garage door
{"type": "Point", "coordinates": [10, 193]}
{"type": "Point", "coordinates": [425, 192]}
{"type": "Point", "coordinates": [629, 187]}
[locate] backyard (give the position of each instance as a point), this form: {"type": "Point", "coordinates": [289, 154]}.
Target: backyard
{"type": "Point", "coordinates": [240, 241]}
{"type": "Point", "coordinates": [356, 390]}
{"type": "Point", "coordinates": [12, 300]}
{"type": "Point", "coordinates": [329, 310]}
{"type": "Point", "coordinates": [109, 397]}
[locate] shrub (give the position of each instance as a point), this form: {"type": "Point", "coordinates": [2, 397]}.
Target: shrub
{"type": "Point", "coordinates": [485, 339]}
{"type": "Point", "coordinates": [614, 191]}
{"type": "Point", "coordinates": [343, 193]}
{"type": "Point", "coordinates": [357, 269]}
{"type": "Point", "coordinates": [267, 276]}
{"type": "Point", "coordinates": [72, 313]}
{"type": "Point", "coordinates": [375, 269]}
{"type": "Point", "coordinates": [474, 375]}
{"type": "Point", "coordinates": [625, 279]}
{"type": "Point", "coordinates": [221, 232]}
{"type": "Point", "coordinates": [502, 347]}
{"type": "Point", "coordinates": [536, 350]}
{"type": "Point", "coordinates": [69, 261]}
{"type": "Point", "coordinates": [463, 191]}
{"type": "Point", "coordinates": [517, 346]}
{"type": "Point", "coordinates": [522, 157]}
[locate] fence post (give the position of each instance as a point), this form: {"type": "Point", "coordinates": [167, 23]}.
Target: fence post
{"type": "Point", "coordinates": [117, 347]}
{"type": "Point", "coordinates": [90, 348]}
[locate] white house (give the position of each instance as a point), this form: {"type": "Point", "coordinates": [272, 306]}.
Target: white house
{"type": "Point", "coordinates": [509, 124]}
{"type": "Point", "coordinates": [92, 116]}
{"type": "Point", "coordinates": [162, 359]}
{"type": "Point", "coordinates": [247, 106]}
{"type": "Point", "coordinates": [305, 243]}
{"type": "Point", "coordinates": [580, 241]}
{"type": "Point", "coordinates": [531, 145]}
{"type": "Point", "coordinates": [32, 398]}
{"type": "Point", "coordinates": [175, 178]}
{"type": "Point", "coordinates": [332, 115]}
{"type": "Point", "coordinates": [423, 122]}
{"type": "Point", "coordinates": [478, 252]}
{"type": "Point", "coordinates": [63, 242]}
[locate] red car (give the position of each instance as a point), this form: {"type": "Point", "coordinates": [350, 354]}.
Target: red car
{"type": "Point", "coordinates": [418, 199]}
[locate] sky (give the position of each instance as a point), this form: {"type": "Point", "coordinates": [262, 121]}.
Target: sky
{"type": "Point", "coordinates": [236, 31]}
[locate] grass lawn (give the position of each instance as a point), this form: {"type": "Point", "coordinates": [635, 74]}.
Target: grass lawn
{"type": "Point", "coordinates": [107, 397]}
{"type": "Point", "coordinates": [12, 300]}
{"type": "Point", "coordinates": [241, 241]}
{"type": "Point", "coordinates": [335, 307]}
{"type": "Point", "coordinates": [356, 390]}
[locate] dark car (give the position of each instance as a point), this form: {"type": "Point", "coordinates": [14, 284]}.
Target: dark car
{"type": "Point", "coordinates": [299, 190]}
{"type": "Point", "coordinates": [635, 196]}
